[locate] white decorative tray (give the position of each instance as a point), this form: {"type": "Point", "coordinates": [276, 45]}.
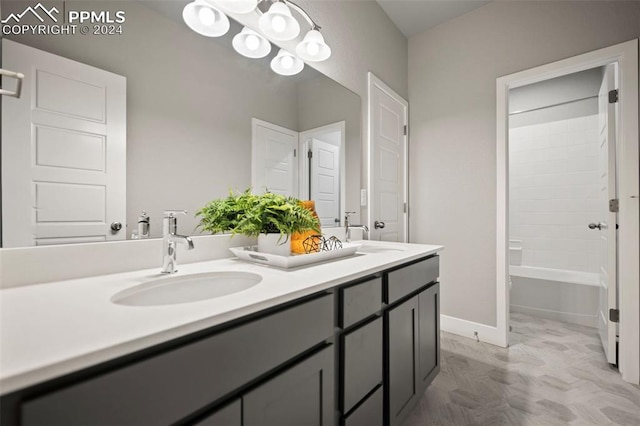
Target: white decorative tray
{"type": "Point", "coordinates": [251, 255]}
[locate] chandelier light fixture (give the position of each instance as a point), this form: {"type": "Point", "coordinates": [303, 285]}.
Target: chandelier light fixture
{"type": "Point", "coordinates": [238, 6]}
{"type": "Point", "coordinates": [276, 23]}
{"type": "Point", "coordinates": [286, 64]}
{"type": "Point", "coordinates": [313, 48]}
{"type": "Point", "coordinates": [205, 19]}
{"type": "Point", "coordinates": [251, 44]}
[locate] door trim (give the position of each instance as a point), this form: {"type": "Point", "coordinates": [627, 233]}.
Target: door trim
{"type": "Point", "coordinates": [373, 81]}
{"type": "Point", "coordinates": [625, 55]}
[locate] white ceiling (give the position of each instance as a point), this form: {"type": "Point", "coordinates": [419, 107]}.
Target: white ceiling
{"type": "Point", "coordinates": [416, 16]}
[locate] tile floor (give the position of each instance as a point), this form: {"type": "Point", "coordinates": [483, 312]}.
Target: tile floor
{"type": "Point", "coordinates": [553, 373]}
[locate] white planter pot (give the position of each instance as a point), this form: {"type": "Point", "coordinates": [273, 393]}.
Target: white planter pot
{"type": "Point", "coordinates": [274, 244]}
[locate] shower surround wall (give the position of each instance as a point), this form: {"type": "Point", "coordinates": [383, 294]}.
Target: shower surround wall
{"type": "Point", "coordinates": [553, 195]}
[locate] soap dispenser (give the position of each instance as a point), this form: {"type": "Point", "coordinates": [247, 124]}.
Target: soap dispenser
{"type": "Point", "coordinates": [144, 227]}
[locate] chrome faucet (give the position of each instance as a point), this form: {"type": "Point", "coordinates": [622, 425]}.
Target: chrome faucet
{"type": "Point", "coordinates": [170, 239]}
{"type": "Point", "coordinates": [348, 227]}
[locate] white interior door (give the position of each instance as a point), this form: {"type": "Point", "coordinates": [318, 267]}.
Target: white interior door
{"type": "Point", "coordinates": [63, 151]}
{"type": "Point", "coordinates": [274, 166]}
{"type": "Point", "coordinates": [387, 163]}
{"type": "Point", "coordinates": [606, 220]}
{"type": "Point", "coordinates": [325, 181]}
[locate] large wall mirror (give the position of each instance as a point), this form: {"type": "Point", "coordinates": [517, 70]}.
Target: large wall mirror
{"type": "Point", "coordinates": [200, 120]}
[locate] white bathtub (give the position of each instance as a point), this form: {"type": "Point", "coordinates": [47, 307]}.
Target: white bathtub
{"type": "Point", "coordinates": [562, 295]}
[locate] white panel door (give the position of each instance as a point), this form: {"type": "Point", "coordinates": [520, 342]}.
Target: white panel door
{"type": "Point", "coordinates": [274, 166]}
{"type": "Point", "coordinates": [387, 163]}
{"type": "Point", "coordinates": [63, 151]}
{"type": "Point", "coordinates": [606, 221]}
{"type": "Point", "coordinates": [325, 181]}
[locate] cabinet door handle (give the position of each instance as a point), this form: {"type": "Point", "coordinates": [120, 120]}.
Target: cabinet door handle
{"type": "Point", "coordinates": [378, 224]}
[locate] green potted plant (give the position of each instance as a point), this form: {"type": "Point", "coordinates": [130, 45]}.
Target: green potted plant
{"type": "Point", "coordinates": [270, 217]}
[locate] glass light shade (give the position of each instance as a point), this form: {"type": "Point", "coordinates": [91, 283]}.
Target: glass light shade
{"type": "Point", "coordinates": [205, 19]}
{"type": "Point", "coordinates": [278, 23]}
{"type": "Point", "coordinates": [313, 47]}
{"type": "Point", "coordinates": [251, 44]}
{"type": "Point", "coordinates": [286, 64]}
{"type": "Point", "coordinates": [238, 6]}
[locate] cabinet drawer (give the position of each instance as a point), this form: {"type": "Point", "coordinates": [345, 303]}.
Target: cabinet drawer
{"type": "Point", "coordinates": [359, 301]}
{"type": "Point", "coordinates": [410, 278]}
{"type": "Point", "coordinates": [370, 413]}
{"type": "Point", "coordinates": [362, 364]}
{"type": "Point", "coordinates": [169, 386]}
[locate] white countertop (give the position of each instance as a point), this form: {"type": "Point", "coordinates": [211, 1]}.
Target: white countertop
{"type": "Point", "coordinates": [48, 330]}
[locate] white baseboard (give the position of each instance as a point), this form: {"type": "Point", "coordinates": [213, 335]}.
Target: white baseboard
{"type": "Point", "coordinates": [580, 319]}
{"type": "Point", "coordinates": [486, 333]}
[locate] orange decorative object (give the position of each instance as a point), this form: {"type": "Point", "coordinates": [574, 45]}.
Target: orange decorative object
{"type": "Point", "coordinates": [298, 238]}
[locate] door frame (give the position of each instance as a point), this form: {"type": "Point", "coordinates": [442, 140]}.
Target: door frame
{"type": "Point", "coordinates": [372, 82]}
{"type": "Point", "coordinates": [625, 55]}
{"type": "Point", "coordinates": [303, 166]}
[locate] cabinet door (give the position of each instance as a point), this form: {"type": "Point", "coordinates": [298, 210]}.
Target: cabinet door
{"type": "Point", "coordinates": [429, 335]}
{"type": "Point", "coordinates": [402, 355]}
{"type": "Point", "coordinates": [300, 396]}
{"type": "Point", "coordinates": [229, 415]}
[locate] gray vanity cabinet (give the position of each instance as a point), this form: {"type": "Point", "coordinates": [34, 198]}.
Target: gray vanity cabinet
{"type": "Point", "coordinates": [300, 396]}
{"type": "Point", "coordinates": [412, 336]}
{"type": "Point", "coordinates": [166, 386]}
{"type": "Point", "coordinates": [429, 336]}
{"type": "Point", "coordinates": [402, 355]}
{"type": "Point", "coordinates": [229, 415]}
{"type": "Point", "coordinates": [361, 353]}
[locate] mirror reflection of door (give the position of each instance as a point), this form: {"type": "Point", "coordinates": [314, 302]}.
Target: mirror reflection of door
{"type": "Point", "coordinates": [274, 166]}
{"type": "Point", "coordinates": [63, 152]}
{"type": "Point", "coordinates": [278, 153]}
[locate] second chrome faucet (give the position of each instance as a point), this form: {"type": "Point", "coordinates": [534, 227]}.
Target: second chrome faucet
{"type": "Point", "coordinates": [348, 227]}
{"type": "Point", "coordinates": [170, 239]}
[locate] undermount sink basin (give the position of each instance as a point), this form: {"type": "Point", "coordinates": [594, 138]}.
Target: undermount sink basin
{"type": "Point", "coordinates": [186, 288]}
{"type": "Point", "coordinates": [371, 249]}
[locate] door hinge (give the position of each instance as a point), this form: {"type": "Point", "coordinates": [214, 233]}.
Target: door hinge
{"type": "Point", "coordinates": [613, 96]}
{"type": "Point", "coordinates": [404, 207]}
{"type": "Point", "coordinates": [614, 205]}
{"type": "Point", "coordinates": [309, 154]}
{"type": "Point", "coordinates": [614, 315]}
{"type": "Point", "coordinates": [295, 152]}
{"type": "Point", "coordinates": [405, 130]}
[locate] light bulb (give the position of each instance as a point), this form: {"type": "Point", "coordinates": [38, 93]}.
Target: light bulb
{"type": "Point", "coordinates": [206, 16]}
{"type": "Point", "coordinates": [279, 24]}
{"type": "Point", "coordinates": [287, 62]}
{"type": "Point", "coordinates": [252, 42]}
{"type": "Point", "coordinates": [313, 48]}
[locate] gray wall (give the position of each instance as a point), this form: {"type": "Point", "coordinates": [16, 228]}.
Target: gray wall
{"type": "Point", "coordinates": [452, 95]}
{"type": "Point", "coordinates": [362, 39]}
